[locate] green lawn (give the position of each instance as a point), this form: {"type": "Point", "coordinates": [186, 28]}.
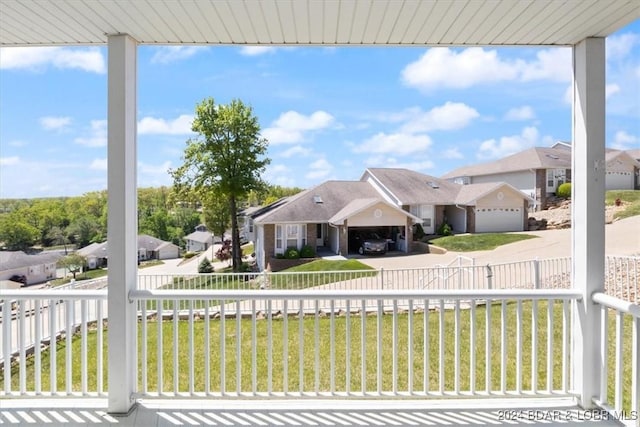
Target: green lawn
{"type": "Point", "coordinates": [330, 265]}
{"type": "Point", "coordinates": [478, 242]}
{"type": "Point", "coordinates": [89, 274]}
{"type": "Point", "coordinates": [630, 197]}
{"type": "Point", "coordinates": [288, 339]}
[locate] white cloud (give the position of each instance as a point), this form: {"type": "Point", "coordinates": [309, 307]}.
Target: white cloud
{"type": "Point", "coordinates": [98, 164]}
{"type": "Point", "coordinates": [297, 150]}
{"type": "Point", "coordinates": [520, 113]}
{"type": "Point", "coordinates": [153, 126]}
{"type": "Point", "coordinates": [39, 58]}
{"type": "Point", "coordinates": [319, 169]}
{"type": "Point", "coordinates": [256, 50]}
{"type": "Point", "coordinates": [619, 46]}
{"type": "Point", "coordinates": [450, 116]}
{"type": "Point", "coordinates": [147, 169]}
{"type": "Point", "coordinates": [55, 123]}
{"type": "Point", "coordinates": [611, 89]}
{"type": "Point", "coordinates": [452, 153]}
{"type": "Point", "coordinates": [624, 141]}
{"type": "Point", "coordinates": [18, 143]}
{"type": "Point", "coordinates": [290, 127]}
{"type": "Point", "coordinates": [9, 161]}
{"type": "Point", "coordinates": [168, 54]}
{"type": "Point", "coordinates": [492, 149]}
{"type": "Point", "coordinates": [459, 69]}
{"type": "Point", "coordinates": [395, 143]}
{"type": "Point", "coordinates": [97, 136]}
{"type": "Point", "coordinates": [553, 64]}
{"type": "Point", "coordinates": [392, 162]}
{"type": "Point", "coordinates": [278, 174]}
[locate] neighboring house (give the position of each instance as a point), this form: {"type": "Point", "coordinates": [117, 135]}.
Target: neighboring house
{"type": "Point", "coordinates": [327, 216]}
{"type": "Point", "coordinates": [473, 208]}
{"type": "Point", "coordinates": [200, 240]}
{"type": "Point", "coordinates": [36, 268]}
{"type": "Point", "coordinates": [245, 223]}
{"type": "Point", "coordinates": [388, 202]}
{"type": "Point", "coordinates": [538, 171]}
{"type": "Point", "coordinates": [149, 247]}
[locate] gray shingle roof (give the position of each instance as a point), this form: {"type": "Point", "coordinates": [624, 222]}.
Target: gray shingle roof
{"type": "Point", "coordinates": [412, 187]}
{"type": "Point", "coordinates": [335, 195]}
{"type": "Point", "coordinates": [100, 250]}
{"type": "Point", "coordinates": [533, 158]}
{"type": "Point", "coordinates": [10, 260]}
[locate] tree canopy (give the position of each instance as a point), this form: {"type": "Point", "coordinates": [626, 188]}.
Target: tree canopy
{"type": "Point", "coordinates": [226, 160]}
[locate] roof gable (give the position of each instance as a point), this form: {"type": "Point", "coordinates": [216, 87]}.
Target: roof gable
{"type": "Point", "coordinates": [410, 187]}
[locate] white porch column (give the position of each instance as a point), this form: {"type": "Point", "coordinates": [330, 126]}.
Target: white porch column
{"type": "Point", "coordinates": [122, 225]}
{"type": "Point", "coordinates": [588, 234]}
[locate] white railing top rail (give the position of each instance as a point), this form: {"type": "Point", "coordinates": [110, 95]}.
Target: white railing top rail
{"type": "Point", "coordinates": [515, 294]}
{"type": "Point", "coordinates": [70, 294]}
{"type": "Point", "coordinates": [617, 304]}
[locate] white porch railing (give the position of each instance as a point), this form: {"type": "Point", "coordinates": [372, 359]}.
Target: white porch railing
{"type": "Point", "coordinates": [622, 362]}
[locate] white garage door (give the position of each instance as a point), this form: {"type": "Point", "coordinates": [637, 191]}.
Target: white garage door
{"type": "Point", "coordinates": [491, 220]}
{"type": "Point", "coordinates": [619, 181]}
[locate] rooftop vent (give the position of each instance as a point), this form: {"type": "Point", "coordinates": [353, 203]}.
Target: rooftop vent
{"type": "Point", "coordinates": [553, 156]}
{"type": "Point", "coordinates": [317, 199]}
{"type": "Point", "coordinates": [433, 184]}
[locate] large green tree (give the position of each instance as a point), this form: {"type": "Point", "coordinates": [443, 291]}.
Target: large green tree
{"type": "Point", "coordinates": [227, 158]}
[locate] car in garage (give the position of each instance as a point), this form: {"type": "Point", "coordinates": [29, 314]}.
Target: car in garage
{"type": "Point", "coordinates": [370, 243]}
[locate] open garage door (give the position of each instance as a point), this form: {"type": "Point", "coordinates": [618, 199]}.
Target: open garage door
{"type": "Point", "coordinates": [496, 220]}
{"type": "Point", "coordinates": [386, 234]}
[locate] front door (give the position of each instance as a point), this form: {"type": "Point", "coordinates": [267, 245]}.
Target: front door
{"type": "Point", "coordinates": [319, 234]}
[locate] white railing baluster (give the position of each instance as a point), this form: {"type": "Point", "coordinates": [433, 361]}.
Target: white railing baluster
{"type": "Point", "coordinates": [618, 359]}
{"type": "Point", "coordinates": [223, 349]}
{"type": "Point", "coordinates": [363, 346]}
{"type": "Point", "coordinates": [270, 347]}
{"type": "Point", "coordinates": [83, 346]}
{"type": "Point", "coordinates": [142, 306]}
{"type": "Point", "coordinates": [503, 347]}
{"type": "Point", "coordinates": [441, 348]}
{"type": "Point", "coordinates": [425, 348]}
{"type": "Point", "coordinates": [254, 350]}
{"type": "Point", "coordinates": [456, 350]}
{"type": "Point", "coordinates": [566, 315]}
{"type": "Point", "coordinates": [534, 346]}
{"type": "Point", "coordinates": [379, 346]}
{"type": "Point", "coordinates": [160, 367]}
{"type": "Point", "coordinates": [238, 338]}
{"type": "Point", "coordinates": [550, 354]}
{"type": "Point", "coordinates": [38, 347]}
{"type": "Point", "coordinates": [488, 351]}
{"type": "Point", "coordinates": [176, 349]}
{"type": "Point", "coordinates": [519, 347]}
{"type": "Point", "coordinates": [68, 332]}
{"type": "Point", "coordinates": [53, 378]}
{"type": "Point", "coordinates": [285, 345]}
{"type": "Point", "coordinates": [207, 346]}
{"type": "Point", "coordinates": [348, 347]}
{"type": "Point", "coordinates": [394, 354]}
{"type": "Point", "coordinates": [410, 345]}
{"type": "Point", "coordinates": [604, 354]}
{"type": "Point", "coordinates": [635, 366]}
{"type": "Point", "coordinates": [472, 347]}
{"type": "Point", "coordinates": [190, 345]}
{"type": "Point", "coordinates": [21, 345]}
{"type": "Point", "coordinates": [6, 344]}
{"type": "Point", "coordinates": [99, 345]}
{"type": "Point", "coordinates": [332, 347]}
{"type": "Point", "coordinates": [316, 346]}
{"type": "Point", "coordinates": [301, 347]}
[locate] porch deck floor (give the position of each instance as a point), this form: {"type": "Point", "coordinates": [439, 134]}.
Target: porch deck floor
{"type": "Point", "coordinates": [286, 413]}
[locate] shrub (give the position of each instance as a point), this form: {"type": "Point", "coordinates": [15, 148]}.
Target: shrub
{"type": "Point", "coordinates": [224, 253]}
{"type": "Point", "coordinates": [307, 252]}
{"type": "Point", "coordinates": [418, 232]}
{"type": "Point", "coordinates": [444, 230]}
{"type": "Point", "coordinates": [205, 266]}
{"type": "Point", "coordinates": [188, 255]}
{"type": "Point", "coordinates": [564, 190]}
{"type": "Point", "coordinates": [291, 253]}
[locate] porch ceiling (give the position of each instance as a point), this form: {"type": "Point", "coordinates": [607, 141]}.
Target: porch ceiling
{"type": "Point", "coordinates": [326, 22]}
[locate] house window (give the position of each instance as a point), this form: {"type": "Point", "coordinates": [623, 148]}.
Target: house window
{"type": "Point", "coordinates": [290, 236]}
{"type": "Point", "coordinates": [424, 212]}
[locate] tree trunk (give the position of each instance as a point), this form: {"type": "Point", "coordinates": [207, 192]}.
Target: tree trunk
{"type": "Point", "coordinates": [236, 252]}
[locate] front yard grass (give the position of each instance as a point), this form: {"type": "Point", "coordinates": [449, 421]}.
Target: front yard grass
{"type": "Point", "coordinates": [629, 197]}
{"type": "Point", "coordinates": [478, 242]}
{"type": "Point", "coordinates": [329, 265]}
{"type": "Point", "coordinates": [285, 335]}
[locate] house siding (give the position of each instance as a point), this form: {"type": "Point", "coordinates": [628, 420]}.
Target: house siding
{"type": "Point", "coordinates": [541, 192]}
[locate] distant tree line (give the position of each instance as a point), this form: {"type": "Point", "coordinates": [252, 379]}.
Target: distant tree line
{"type": "Point", "coordinates": [74, 222]}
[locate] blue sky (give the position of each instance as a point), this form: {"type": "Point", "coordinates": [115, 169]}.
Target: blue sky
{"type": "Point", "coordinates": [328, 113]}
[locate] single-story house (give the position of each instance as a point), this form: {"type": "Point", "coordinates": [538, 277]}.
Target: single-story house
{"type": "Point", "coordinates": [200, 240]}
{"type": "Point", "coordinates": [538, 171]}
{"type": "Point", "coordinates": [388, 202]}
{"type": "Point", "coordinates": [474, 208]}
{"type": "Point", "coordinates": [35, 268]}
{"type": "Point", "coordinates": [149, 247]}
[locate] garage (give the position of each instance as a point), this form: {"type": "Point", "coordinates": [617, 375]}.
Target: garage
{"type": "Point", "coordinates": [496, 220]}
{"type": "Point", "coordinates": [387, 234]}
{"type": "Point", "coordinates": [618, 180]}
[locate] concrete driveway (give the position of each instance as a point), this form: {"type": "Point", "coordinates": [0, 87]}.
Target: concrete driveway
{"type": "Point", "coordinates": [622, 238]}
